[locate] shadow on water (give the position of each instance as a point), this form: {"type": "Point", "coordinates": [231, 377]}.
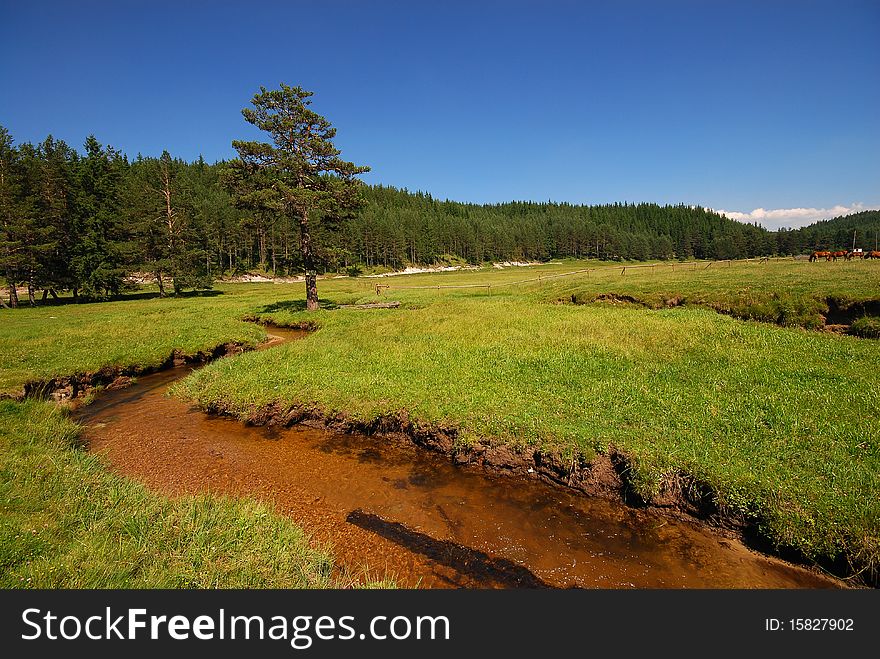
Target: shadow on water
{"type": "Point", "coordinates": [472, 563]}
{"type": "Point", "coordinates": [423, 474]}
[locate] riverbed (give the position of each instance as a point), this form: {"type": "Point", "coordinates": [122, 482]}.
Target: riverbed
{"type": "Point", "coordinates": [389, 508]}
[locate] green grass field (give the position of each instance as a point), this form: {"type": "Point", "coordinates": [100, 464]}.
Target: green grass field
{"type": "Point", "coordinates": [787, 293]}
{"type": "Point", "coordinates": [779, 421]}
{"type": "Point", "coordinates": [42, 343]}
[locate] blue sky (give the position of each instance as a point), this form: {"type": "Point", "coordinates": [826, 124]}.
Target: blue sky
{"type": "Point", "coordinates": [732, 105]}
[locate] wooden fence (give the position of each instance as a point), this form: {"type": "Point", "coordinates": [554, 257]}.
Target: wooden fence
{"type": "Point", "coordinates": [672, 265]}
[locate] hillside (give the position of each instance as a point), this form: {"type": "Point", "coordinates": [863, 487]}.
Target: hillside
{"type": "Point", "coordinates": [397, 226]}
{"type": "Point", "coordinates": [836, 233]}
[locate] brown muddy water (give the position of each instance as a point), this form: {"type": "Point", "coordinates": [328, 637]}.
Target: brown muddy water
{"type": "Point", "coordinates": [410, 514]}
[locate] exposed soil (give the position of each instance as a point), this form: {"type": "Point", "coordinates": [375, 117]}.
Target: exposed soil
{"type": "Point", "coordinates": [74, 389]}
{"type": "Point", "coordinates": [614, 298]}
{"type": "Point", "coordinates": [605, 475]}
{"type": "Point", "coordinates": [840, 315]}
{"type": "Point", "coordinates": [491, 520]}
{"type": "Point", "coordinates": [619, 298]}
{"type": "Point", "coordinates": [838, 319]}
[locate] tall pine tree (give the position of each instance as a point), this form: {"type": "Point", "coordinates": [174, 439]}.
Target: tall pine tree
{"type": "Point", "coordinates": [299, 172]}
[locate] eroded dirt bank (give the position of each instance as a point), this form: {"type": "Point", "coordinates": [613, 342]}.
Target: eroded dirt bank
{"type": "Point", "coordinates": [832, 314]}
{"type": "Point", "coordinates": [73, 389]}
{"type": "Point", "coordinates": [386, 503]}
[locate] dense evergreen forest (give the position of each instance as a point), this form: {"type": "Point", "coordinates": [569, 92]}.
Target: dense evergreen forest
{"type": "Point", "coordinates": [396, 226]}
{"type": "Point", "coordinates": [840, 233]}
{"type": "Point", "coordinates": [85, 222]}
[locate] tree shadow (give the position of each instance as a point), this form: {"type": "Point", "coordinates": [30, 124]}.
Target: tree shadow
{"type": "Point", "coordinates": [122, 297]}
{"type": "Point", "coordinates": [294, 306]}
{"type": "Point", "coordinates": [484, 569]}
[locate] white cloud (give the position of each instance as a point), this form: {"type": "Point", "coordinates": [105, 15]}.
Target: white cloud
{"type": "Point", "coordinates": [794, 217]}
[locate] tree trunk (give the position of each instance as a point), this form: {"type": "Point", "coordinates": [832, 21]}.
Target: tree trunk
{"type": "Point", "coordinates": [45, 294]}
{"type": "Point", "coordinates": [308, 263]}
{"type": "Point", "coordinates": [173, 230]}
{"type": "Point", "coordinates": [13, 295]}
{"type": "Point", "coordinates": [31, 289]}
{"type": "Point", "coordinates": [274, 265]}
{"type": "Point", "coordinates": [161, 285]}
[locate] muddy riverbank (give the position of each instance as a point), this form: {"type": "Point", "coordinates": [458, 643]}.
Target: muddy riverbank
{"type": "Point", "coordinates": [73, 390]}
{"type": "Point", "coordinates": [832, 314]}
{"type": "Point", "coordinates": [386, 504]}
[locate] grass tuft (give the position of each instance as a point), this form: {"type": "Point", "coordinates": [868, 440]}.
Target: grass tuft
{"type": "Point", "coordinates": [867, 327]}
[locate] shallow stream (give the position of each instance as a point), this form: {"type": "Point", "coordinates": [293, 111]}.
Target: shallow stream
{"type": "Point", "coordinates": [411, 514]}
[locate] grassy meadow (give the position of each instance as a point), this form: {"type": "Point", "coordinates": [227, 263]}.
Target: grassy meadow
{"type": "Point", "coordinates": [778, 419]}
{"type": "Point", "coordinates": [45, 342]}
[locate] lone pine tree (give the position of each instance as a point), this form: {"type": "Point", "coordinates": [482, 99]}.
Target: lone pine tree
{"type": "Point", "coordinates": [298, 174]}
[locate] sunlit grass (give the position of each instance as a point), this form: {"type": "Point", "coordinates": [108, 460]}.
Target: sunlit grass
{"type": "Point", "coordinates": [790, 293]}
{"type": "Point", "coordinates": [778, 421]}
{"type": "Point", "coordinates": [61, 340]}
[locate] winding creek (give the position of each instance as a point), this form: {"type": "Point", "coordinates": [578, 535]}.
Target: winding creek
{"type": "Point", "coordinates": [411, 514]}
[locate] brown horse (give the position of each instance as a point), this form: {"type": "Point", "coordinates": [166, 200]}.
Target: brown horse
{"type": "Point", "coordinates": [838, 255]}
{"type": "Point", "coordinates": [815, 256]}
{"type": "Point", "coordinates": [872, 255]}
